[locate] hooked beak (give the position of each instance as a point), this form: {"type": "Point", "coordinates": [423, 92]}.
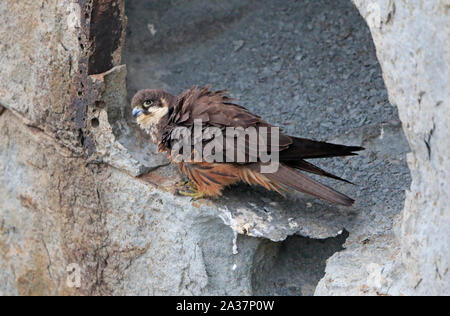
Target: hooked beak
{"type": "Point", "coordinates": [136, 112]}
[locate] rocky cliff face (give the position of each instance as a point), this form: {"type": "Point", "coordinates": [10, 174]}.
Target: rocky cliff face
{"type": "Point", "coordinates": [88, 207]}
{"type": "Point", "coordinates": [411, 41]}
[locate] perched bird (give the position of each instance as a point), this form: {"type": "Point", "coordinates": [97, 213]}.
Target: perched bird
{"type": "Point", "coordinates": [160, 114]}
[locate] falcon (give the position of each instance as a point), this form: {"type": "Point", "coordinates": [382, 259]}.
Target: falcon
{"type": "Point", "coordinates": [161, 115]}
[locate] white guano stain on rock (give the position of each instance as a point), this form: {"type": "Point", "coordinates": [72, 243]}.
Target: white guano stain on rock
{"type": "Point", "coordinates": [74, 16]}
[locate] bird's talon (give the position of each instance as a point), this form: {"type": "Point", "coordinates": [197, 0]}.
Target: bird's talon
{"type": "Point", "coordinates": [192, 190]}
{"type": "Point", "coordinates": [187, 184]}
{"type": "Point", "coordinates": [195, 195]}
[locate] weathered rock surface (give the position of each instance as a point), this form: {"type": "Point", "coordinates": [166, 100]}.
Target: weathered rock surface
{"type": "Point", "coordinates": [84, 191]}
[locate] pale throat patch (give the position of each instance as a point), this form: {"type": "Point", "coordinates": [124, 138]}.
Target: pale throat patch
{"type": "Point", "coordinates": [149, 122]}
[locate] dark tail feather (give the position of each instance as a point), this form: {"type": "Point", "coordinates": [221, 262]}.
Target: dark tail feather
{"type": "Point", "coordinates": [302, 183]}
{"type": "Point", "coordinates": [303, 148]}
{"type": "Point", "coordinates": [309, 167]}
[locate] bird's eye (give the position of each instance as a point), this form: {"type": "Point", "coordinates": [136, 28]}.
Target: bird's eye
{"type": "Point", "coordinates": [148, 103]}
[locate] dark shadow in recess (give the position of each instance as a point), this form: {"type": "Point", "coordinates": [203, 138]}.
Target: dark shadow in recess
{"type": "Point", "coordinates": [294, 266]}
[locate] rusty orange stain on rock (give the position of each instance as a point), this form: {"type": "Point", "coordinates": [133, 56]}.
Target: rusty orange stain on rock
{"type": "Point", "coordinates": [27, 202]}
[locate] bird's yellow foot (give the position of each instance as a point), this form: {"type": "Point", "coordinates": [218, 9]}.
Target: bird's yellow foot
{"type": "Point", "coordinates": [186, 184]}
{"type": "Point", "coordinates": [181, 183]}
{"type": "Point", "coordinates": [193, 190]}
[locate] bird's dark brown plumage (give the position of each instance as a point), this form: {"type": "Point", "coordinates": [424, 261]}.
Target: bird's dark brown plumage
{"type": "Point", "coordinates": [215, 109]}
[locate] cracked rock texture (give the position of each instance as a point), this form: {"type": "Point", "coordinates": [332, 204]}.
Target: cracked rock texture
{"type": "Point", "coordinates": [84, 193]}
{"type": "Point", "coordinates": [412, 40]}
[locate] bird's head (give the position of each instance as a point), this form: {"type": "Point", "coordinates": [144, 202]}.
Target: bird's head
{"type": "Point", "coordinates": [150, 106]}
